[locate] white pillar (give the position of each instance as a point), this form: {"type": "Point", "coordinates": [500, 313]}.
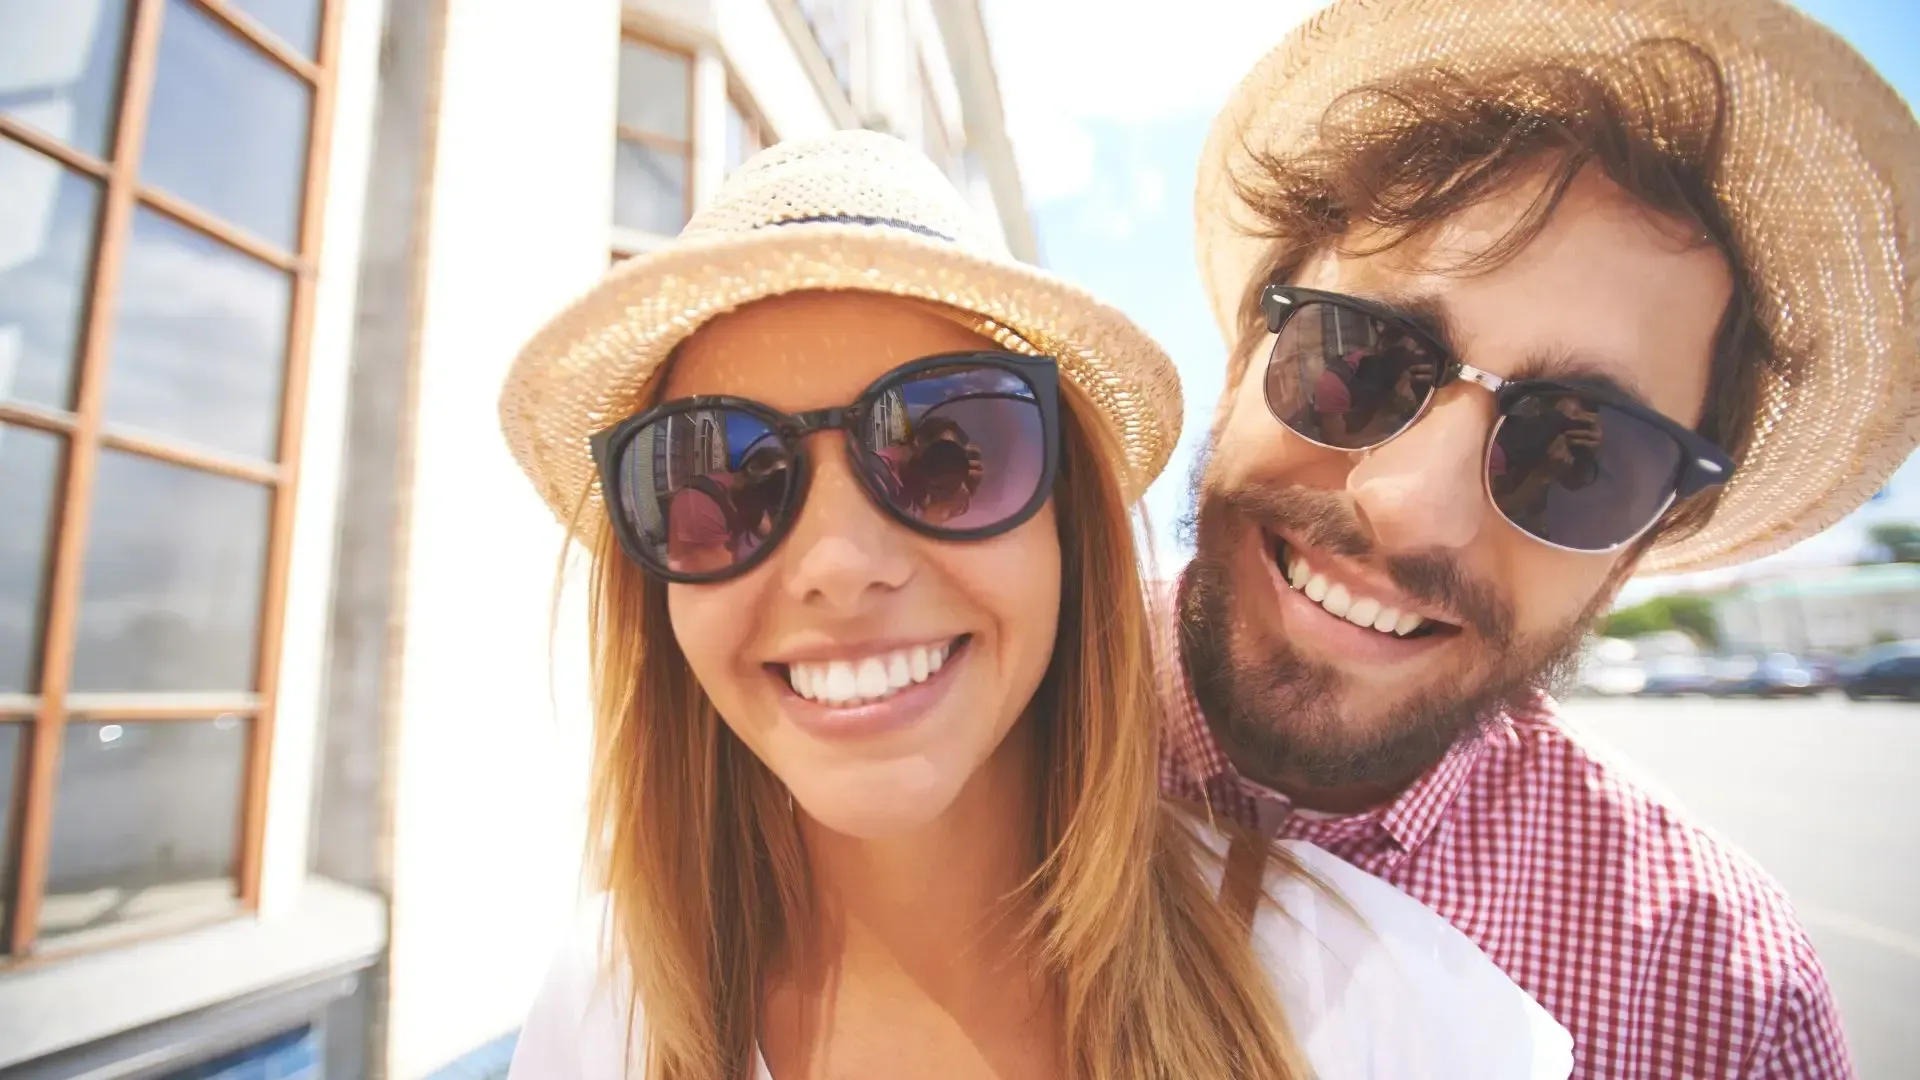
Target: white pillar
{"type": "Point", "coordinates": [709, 124]}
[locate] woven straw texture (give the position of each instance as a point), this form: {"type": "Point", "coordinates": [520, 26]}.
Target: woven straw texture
{"type": "Point", "coordinates": [1821, 184]}
{"type": "Point", "coordinates": [898, 227]}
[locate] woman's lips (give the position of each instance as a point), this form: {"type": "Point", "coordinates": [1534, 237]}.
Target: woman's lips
{"type": "Point", "coordinates": [865, 717]}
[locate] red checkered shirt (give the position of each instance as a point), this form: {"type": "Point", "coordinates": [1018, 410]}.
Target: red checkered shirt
{"type": "Point", "coordinates": [1665, 953]}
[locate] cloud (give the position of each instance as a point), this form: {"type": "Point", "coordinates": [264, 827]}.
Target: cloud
{"type": "Point", "coordinates": [1064, 64]}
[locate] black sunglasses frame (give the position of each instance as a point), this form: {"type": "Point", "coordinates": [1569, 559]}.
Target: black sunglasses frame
{"type": "Point", "coordinates": [1040, 373]}
{"type": "Point", "coordinates": [1702, 463]}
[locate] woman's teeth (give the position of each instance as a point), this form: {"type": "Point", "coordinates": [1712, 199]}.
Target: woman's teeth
{"type": "Point", "coordinates": [867, 679]}
{"type": "Point", "coordinates": [1358, 610]}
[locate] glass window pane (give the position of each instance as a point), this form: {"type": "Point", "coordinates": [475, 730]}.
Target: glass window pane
{"type": "Point", "coordinates": [29, 479]}
{"type": "Point", "coordinates": [228, 131]}
{"type": "Point", "coordinates": [13, 754]}
{"type": "Point", "coordinates": [832, 25]}
{"type": "Point", "coordinates": [199, 341]}
{"type": "Point", "coordinates": [296, 22]}
{"type": "Point", "coordinates": [654, 86]}
{"type": "Point", "coordinates": [60, 66]}
{"type": "Point", "coordinates": [48, 214]}
{"type": "Point", "coordinates": [741, 143]}
{"type": "Point", "coordinates": [145, 820]}
{"type": "Point", "coordinates": [170, 597]}
{"type": "Point", "coordinates": [649, 188]}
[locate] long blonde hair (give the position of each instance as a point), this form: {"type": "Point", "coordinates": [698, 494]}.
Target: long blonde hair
{"type": "Point", "coordinates": [704, 863]}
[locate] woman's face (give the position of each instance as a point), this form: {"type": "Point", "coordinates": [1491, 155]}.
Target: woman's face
{"type": "Point", "coordinates": [850, 596]}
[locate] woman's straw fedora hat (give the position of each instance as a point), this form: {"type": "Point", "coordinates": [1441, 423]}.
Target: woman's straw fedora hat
{"type": "Point", "coordinates": [1821, 182]}
{"type": "Point", "coordinates": [854, 210]}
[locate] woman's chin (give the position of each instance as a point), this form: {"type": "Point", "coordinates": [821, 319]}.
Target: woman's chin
{"type": "Point", "coordinates": [880, 804]}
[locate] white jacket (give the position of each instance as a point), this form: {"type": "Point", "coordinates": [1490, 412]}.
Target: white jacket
{"type": "Point", "coordinates": [1377, 988]}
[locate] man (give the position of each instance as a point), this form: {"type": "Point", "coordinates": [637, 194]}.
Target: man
{"type": "Point", "coordinates": [1674, 239]}
{"type": "Point", "coordinates": [717, 519]}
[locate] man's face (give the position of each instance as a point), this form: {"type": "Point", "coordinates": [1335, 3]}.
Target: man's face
{"type": "Point", "coordinates": [1310, 702]}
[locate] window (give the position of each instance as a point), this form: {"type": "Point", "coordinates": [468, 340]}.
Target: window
{"type": "Point", "coordinates": [935, 138]}
{"type": "Point", "coordinates": [653, 148]}
{"type": "Point", "coordinates": [157, 242]}
{"type": "Point", "coordinates": [747, 132]}
{"type": "Point", "coordinates": [832, 24]}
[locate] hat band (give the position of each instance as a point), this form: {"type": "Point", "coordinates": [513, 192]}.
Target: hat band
{"type": "Point", "coordinates": [860, 219]}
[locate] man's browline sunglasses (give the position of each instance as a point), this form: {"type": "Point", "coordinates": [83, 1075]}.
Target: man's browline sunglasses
{"type": "Point", "coordinates": [958, 446]}
{"type": "Point", "coordinates": [1578, 467]}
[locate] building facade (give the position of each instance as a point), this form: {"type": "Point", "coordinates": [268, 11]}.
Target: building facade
{"type": "Point", "coordinates": [1838, 611]}
{"type": "Point", "coordinates": [292, 721]}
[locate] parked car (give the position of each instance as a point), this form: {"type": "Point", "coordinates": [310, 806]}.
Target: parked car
{"type": "Point", "coordinates": [1775, 675]}
{"type": "Point", "coordinates": [1610, 679]}
{"type": "Point", "coordinates": [1885, 673]}
{"type": "Point", "coordinates": [1677, 676]}
{"type": "Point", "coordinates": [1827, 671]}
{"type": "Point", "coordinates": [1608, 669]}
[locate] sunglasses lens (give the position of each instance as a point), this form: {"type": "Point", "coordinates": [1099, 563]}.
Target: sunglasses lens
{"type": "Point", "coordinates": [702, 490]}
{"type": "Point", "coordinates": [958, 449]}
{"type": "Point", "coordinates": [1578, 473]}
{"type": "Point", "coordinates": [1345, 379]}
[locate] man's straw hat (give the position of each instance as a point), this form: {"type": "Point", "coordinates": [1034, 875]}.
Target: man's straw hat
{"type": "Point", "coordinates": [1821, 183]}
{"type": "Point", "coordinates": [854, 210]}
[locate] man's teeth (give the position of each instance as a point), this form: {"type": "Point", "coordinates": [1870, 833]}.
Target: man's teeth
{"type": "Point", "coordinates": [1358, 610]}
{"type": "Point", "coordinates": [870, 678]}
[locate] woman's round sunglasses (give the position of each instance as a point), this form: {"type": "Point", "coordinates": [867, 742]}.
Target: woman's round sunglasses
{"type": "Point", "coordinates": [1577, 467]}
{"type": "Point", "coordinates": [960, 446]}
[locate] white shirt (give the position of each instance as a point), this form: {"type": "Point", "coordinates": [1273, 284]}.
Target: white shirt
{"type": "Point", "coordinates": [1387, 990]}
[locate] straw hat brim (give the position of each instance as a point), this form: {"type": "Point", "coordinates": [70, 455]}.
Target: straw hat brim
{"type": "Point", "coordinates": [1821, 183]}
{"type": "Point", "coordinates": [592, 364]}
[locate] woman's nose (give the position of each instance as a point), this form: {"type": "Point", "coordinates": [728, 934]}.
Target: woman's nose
{"type": "Point", "coordinates": [843, 552]}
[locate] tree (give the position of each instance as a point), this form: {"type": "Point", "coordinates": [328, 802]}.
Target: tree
{"type": "Point", "coordinates": [1692, 614]}
{"type": "Point", "coordinates": [1899, 539]}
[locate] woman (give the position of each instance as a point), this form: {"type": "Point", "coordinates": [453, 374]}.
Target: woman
{"type": "Point", "coordinates": [878, 795]}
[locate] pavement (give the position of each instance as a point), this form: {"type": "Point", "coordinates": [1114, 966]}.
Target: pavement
{"type": "Point", "coordinates": [1822, 793]}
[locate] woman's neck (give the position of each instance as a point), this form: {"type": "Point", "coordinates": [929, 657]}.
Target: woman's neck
{"type": "Point", "coordinates": [918, 939]}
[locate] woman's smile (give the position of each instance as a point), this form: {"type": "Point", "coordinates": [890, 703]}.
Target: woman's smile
{"type": "Point", "coordinates": [863, 691]}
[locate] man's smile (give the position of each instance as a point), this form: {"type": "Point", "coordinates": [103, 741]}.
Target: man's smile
{"type": "Point", "coordinates": [1343, 615]}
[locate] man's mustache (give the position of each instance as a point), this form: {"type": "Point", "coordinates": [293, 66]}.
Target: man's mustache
{"type": "Point", "coordinates": [1323, 520]}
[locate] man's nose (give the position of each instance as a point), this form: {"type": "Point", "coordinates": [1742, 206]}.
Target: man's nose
{"type": "Point", "coordinates": [843, 552]}
{"type": "Point", "coordinates": [1423, 490]}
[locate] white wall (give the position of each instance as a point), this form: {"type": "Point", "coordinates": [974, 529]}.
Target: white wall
{"type": "Point", "coordinates": [491, 749]}
{"type": "Point", "coordinates": [763, 59]}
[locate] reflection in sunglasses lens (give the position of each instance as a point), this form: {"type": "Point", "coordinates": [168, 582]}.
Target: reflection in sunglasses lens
{"type": "Point", "coordinates": [957, 448]}
{"type": "Point", "coordinates": [1345, 379]}
{"type": "Point", "coordinates": [704, 488]}
{"type": "Point", "coordinates": [1580, 474]}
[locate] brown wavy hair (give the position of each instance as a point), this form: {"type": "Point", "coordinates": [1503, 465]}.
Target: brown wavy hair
{"type": "Point", "coordinates": [698, 847]}
{"type": "Point", "coordinates": [1401, 155]}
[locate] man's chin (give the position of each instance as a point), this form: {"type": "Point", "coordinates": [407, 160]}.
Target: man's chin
{"type": "Point", "coordinates": [1339, 735]}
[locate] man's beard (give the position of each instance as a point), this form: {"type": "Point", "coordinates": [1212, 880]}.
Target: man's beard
{"type": "Point", "coordinates": [1278, 715]}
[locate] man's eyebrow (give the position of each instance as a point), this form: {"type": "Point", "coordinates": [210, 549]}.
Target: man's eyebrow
{"type": "Point", "coordinates": [1580, 369]}
{"type": "Point", "coordinates": [1430, 315]}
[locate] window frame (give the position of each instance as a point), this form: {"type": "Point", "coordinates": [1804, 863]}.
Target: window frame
{"type": "Point", "coordinates": [44, 715]}
{"type": "Point", "coordinates": [933, 115]}
{"type": "Point", "coordinates": [627, 239]}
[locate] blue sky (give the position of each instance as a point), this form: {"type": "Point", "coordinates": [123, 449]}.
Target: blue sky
{"type": "Point", "coordinates": [1108, 113]}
